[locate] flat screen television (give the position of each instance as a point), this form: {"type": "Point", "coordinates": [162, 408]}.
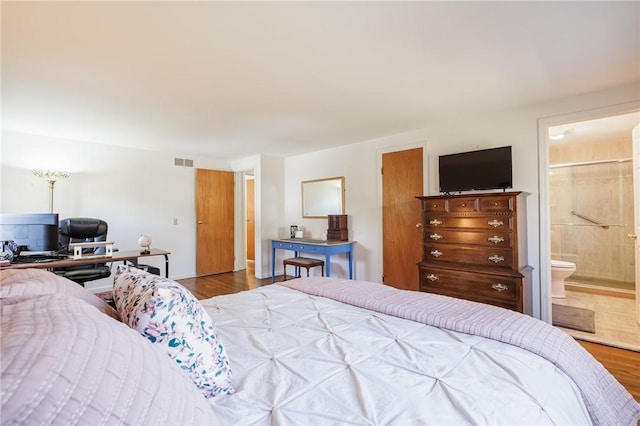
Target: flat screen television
{"type": "Point", "coordinates": [476, 170]}
{"type": "Point", "coordinates": [35, 232]}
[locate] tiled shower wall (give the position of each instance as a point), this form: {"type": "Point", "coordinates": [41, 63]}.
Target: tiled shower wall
{"type": "Point", "coordinates": [603, 192]}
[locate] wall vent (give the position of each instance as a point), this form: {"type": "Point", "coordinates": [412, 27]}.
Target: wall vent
{"type": "Point", "coordinates": [182, 162]}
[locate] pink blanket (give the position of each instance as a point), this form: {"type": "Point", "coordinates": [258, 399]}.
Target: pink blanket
{"type": "Point", "coordinates": [606, 399]}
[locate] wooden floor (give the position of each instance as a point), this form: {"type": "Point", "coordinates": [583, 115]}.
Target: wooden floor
{"type": "Point", "coordinates": [623, 364]}
{"type": "Point", "coordinates": [227, 283]}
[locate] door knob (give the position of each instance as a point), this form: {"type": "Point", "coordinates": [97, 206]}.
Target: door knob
{"type": "Point", "coordinates": [632, 236]}
{"type": "Point", "coordinates": [419, 225]}
{"type": "Point", "coordinates": [199, 222]}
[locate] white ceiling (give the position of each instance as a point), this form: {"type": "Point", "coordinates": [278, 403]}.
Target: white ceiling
{"type": "Point", "coordinates": [231, 79]}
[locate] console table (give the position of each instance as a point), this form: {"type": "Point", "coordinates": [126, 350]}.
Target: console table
{"type": "Point", "coordinates": [304, 245]}
{"type": "Point", "coordinates": [118, 256]}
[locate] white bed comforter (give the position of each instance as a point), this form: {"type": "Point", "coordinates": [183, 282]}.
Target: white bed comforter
{"type": "Point", "coordinates": [301, 359]}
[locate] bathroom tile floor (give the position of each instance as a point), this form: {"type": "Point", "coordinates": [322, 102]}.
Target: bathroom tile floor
{"type": "Point", "coordinates": [615, 320]}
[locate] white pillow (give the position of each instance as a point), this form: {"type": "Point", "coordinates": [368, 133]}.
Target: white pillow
{"type": "Point", "coordinates": [168, 315]}
{"type": "Point", "coordinates": [63, 362]}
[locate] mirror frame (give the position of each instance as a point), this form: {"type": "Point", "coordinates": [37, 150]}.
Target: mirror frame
{"type": "Point", "coordinates": [314, 209]}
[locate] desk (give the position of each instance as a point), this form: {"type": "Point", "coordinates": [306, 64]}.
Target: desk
{"type": "Point", "coordinates": [118, 256]}
{"type": "Point", "coordinates": [305, 245]}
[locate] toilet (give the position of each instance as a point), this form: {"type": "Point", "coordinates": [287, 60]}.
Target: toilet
{"type": "Point", "coordinates": [560, 270]}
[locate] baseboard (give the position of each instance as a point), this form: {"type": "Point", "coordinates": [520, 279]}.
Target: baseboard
{"type": "Point", "coordinates": [600, 290]}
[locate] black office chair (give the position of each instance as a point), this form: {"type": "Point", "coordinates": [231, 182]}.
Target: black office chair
{"type": "Point", "coordinates": [83, 230]}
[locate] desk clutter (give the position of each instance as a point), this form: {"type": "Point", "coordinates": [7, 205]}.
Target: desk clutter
{"type": "Point", "coordinates": [337, 229]}
{"type": "Point", "coordinates": [83, 250]}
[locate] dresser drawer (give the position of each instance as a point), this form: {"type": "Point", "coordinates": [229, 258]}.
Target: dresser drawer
{"type": "Point", "coordinates": [496, 204]}
{"type": "Point", "coordinates": [463, 204]}
{"type": "Point", "coordinates": [502, 239]}
{"type": "Point", "coordinates": [482, 256]}
{"type": "Point", "coordinates": [468, 284]}
{"type": "Point", "coordinates": [483, 222]}
{"type": "Point", "coordinates": [435, 206]}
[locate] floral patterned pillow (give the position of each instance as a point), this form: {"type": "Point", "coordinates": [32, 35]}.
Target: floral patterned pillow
{"type": "Point", "coordinates": [167, 314]}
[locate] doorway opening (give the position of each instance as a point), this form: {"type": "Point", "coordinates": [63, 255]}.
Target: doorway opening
{"type": "Point", "coordinates": [591, 200]}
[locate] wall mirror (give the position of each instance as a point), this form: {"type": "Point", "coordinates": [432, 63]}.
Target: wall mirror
{"type": "Point", "coordinates": [322, 197]}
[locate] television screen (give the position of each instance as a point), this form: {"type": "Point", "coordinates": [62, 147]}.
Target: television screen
{"type": "Point", "coordinates": [35, 232]}
{"type": "Point", "coordinates": [475, 170]}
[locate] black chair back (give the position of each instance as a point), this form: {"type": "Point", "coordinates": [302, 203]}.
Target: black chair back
{"type": "Point", "coordinates": [83, 230]}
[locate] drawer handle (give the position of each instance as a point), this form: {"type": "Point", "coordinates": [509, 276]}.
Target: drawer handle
{"type": "Point", "coordinates": [436, 253]}
{"type": "Point", "coordinates": [499, 287]}
{"type": "Point", "coordinates": [495, 239]}
{"type": "Point", "coordinates": [496, 259]}
{"type": "Point", "coordinates": [432, 277]}
{"type": "Point", "coordinates": [495, 223]}
{"type": "Point", "coordinates": [435, 237]}
{"type": "Point", "coordinates": [435, 222]}
{"type": "Point", "coordinates": [464, 204]}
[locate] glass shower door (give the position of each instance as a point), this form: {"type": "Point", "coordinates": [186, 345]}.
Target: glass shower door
{"type": "Point", "coordinates": [592, 214]}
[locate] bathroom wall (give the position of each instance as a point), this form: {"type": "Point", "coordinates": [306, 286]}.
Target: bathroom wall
{"type": "Point", "coordinates": [603, 192]}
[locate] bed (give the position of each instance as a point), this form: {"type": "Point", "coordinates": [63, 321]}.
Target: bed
{"type": "Point", "coordinates": [308, 351]}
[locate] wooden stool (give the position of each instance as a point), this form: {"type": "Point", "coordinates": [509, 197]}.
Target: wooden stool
{"type": "Point", "coordinates": [301, 262]}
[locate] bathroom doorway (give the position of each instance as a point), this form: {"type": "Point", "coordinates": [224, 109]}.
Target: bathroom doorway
{"type": "Point", "coordinates": [592, 212]}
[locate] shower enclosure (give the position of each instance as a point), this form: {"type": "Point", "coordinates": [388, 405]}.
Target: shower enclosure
{"type": "Point", "coordinates": [592, 214]}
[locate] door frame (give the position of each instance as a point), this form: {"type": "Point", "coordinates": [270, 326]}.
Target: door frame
{"type": "Point", "coordinates": [635, 136]}
{"type": "Point", "coordinates": [543, 296]}
{"type": "Point", "coordinates": [240, 219]}
{"type": "Point", "coordinates": [240, 216]}
{"type": "Point", "coordinates": [425, 168]}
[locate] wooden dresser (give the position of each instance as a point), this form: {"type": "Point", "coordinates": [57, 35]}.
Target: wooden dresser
{"type": "Point", "coordinates": [475, 248]}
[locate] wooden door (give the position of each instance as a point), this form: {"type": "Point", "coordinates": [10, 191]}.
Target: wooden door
{"type": "Point", "coordinates": [214, 218]}
{"type": "Point", "coordinates": [401, 218]}
{"type": "Point", "coordinates": [251, 223]}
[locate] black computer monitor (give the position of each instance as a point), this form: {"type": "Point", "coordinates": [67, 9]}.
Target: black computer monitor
{"type": "Point", "coordinates": [35, 232]}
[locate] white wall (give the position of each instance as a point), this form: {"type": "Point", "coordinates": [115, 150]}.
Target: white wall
{"type": "Point", "coordinates": [270, 198]}
{"type": "Point", "coordinates": [135, 191]}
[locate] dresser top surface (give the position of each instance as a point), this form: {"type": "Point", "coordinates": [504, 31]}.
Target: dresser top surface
{"type": "Point", "coordinates": [473, 195]}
